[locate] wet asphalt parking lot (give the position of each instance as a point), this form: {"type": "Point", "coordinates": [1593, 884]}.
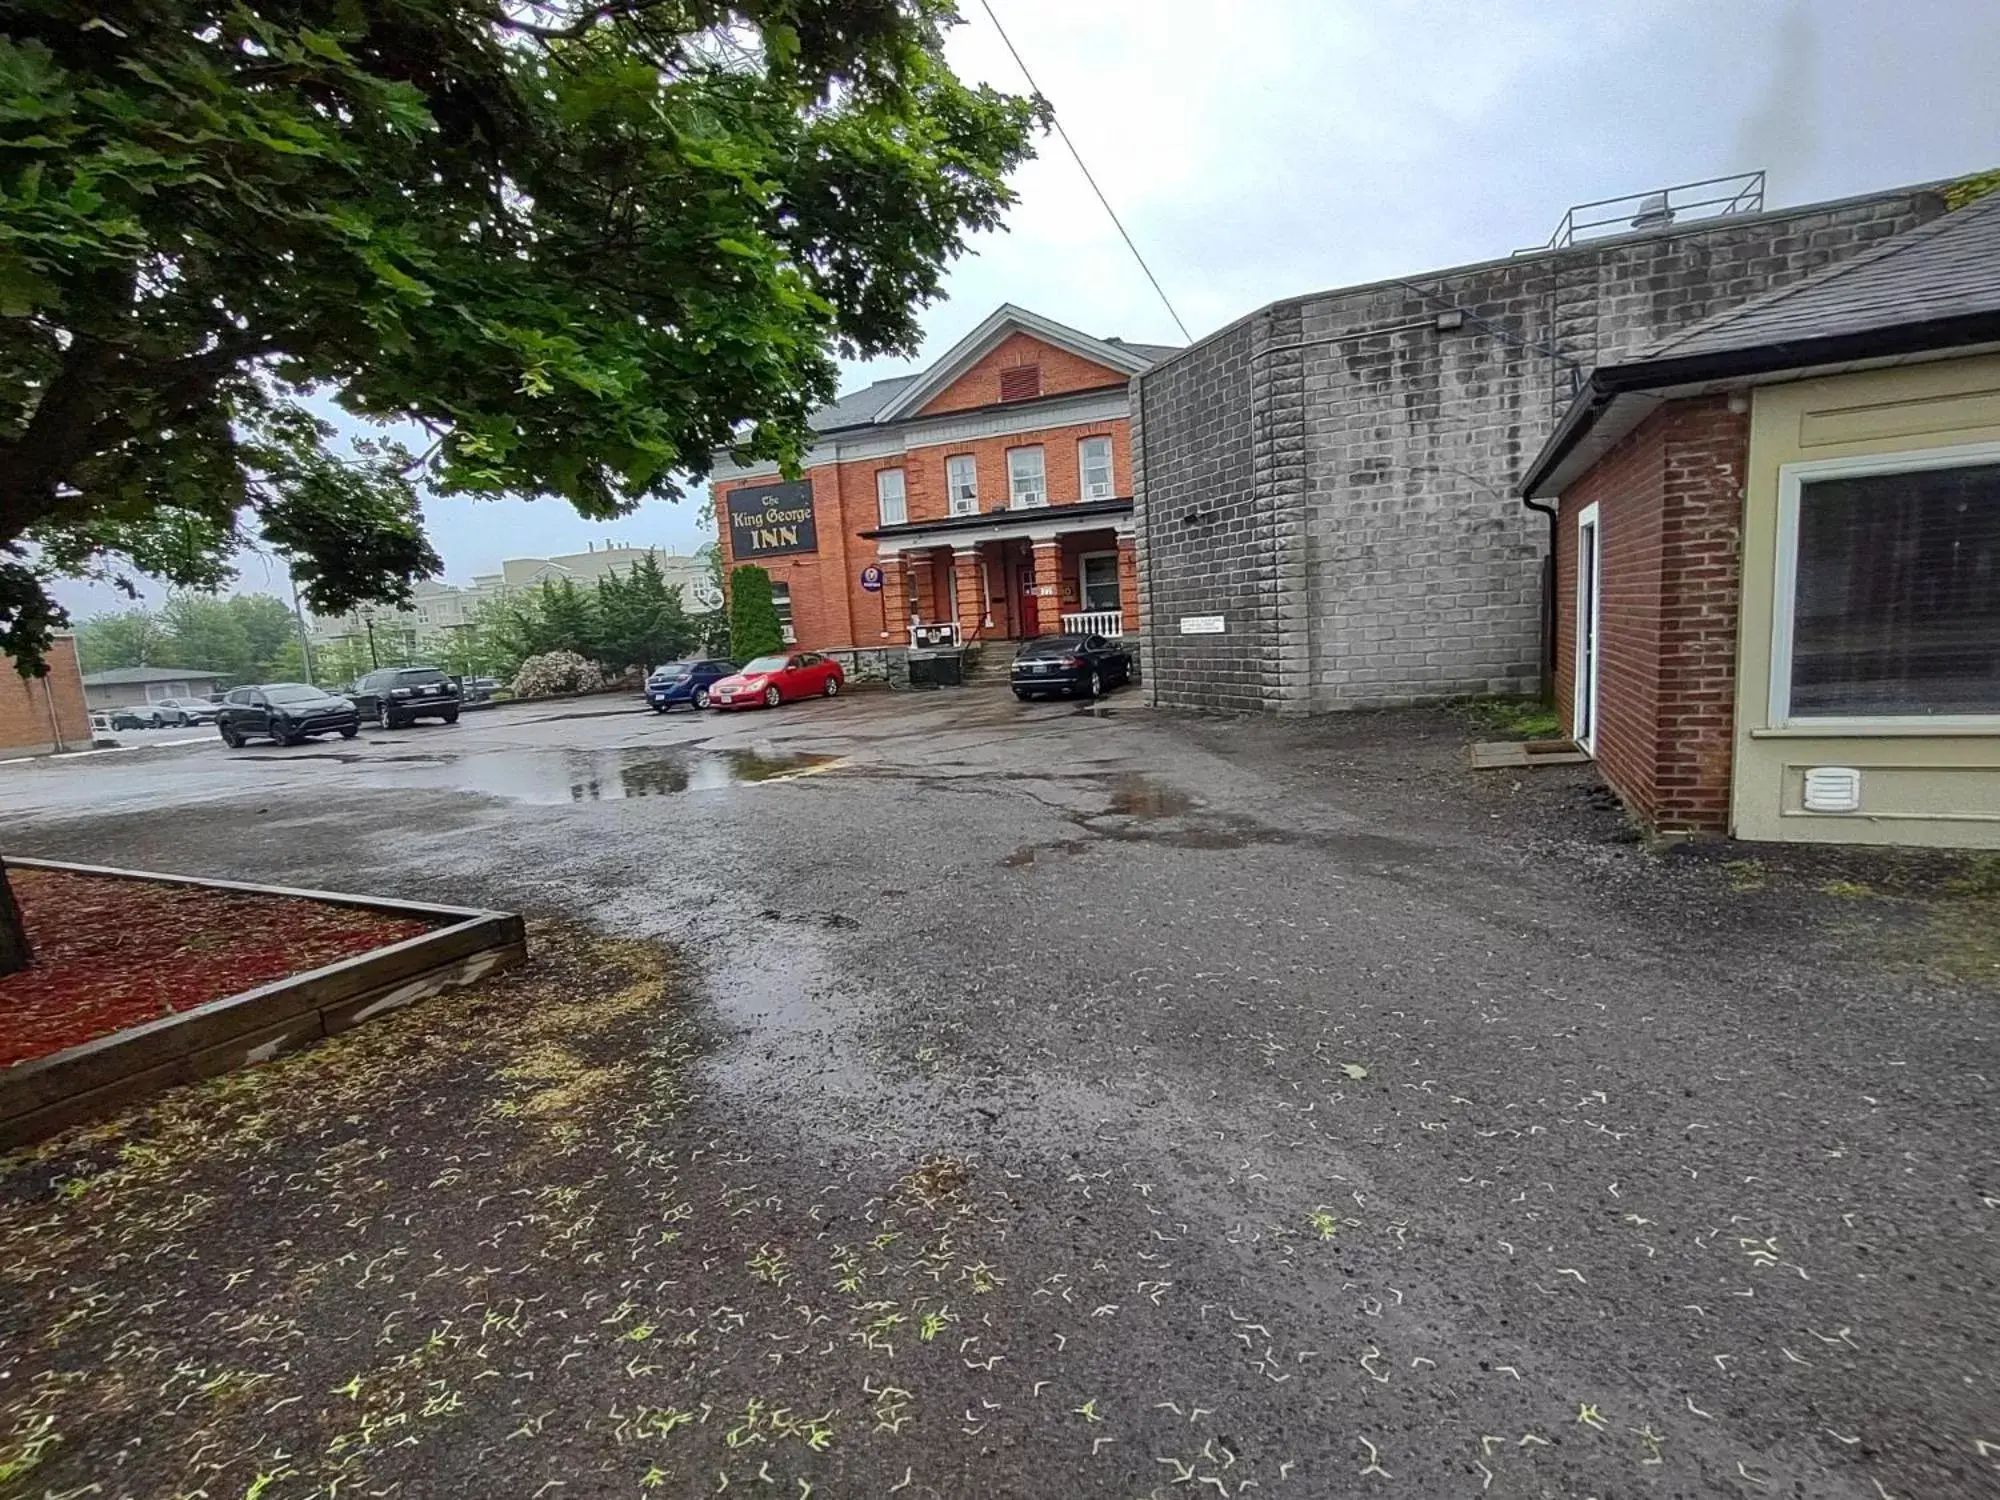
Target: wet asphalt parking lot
{"type": "Point", "coordinates": [930, 1095]}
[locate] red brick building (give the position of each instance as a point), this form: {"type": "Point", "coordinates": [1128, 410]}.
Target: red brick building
{"type": "Point", "coordinates": [986, 498]}
{"type": "Point", "coordinates": [43, 714]}
{"type": "Point", "coordinates": [1777, 544]}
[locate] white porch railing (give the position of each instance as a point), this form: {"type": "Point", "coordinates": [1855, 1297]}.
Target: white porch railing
{"type": "Point", "coordinates": [1104, 622]}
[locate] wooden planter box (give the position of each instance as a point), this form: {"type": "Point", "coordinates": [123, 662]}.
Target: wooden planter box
{"type": "Point", "coordinates": [48, 1094]}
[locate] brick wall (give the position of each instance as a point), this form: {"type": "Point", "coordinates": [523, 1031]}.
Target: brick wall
{"type": "Point", "coordinates": [1670, 505]}
{"type": "Point", "coordinates": [1350, 465]}
{"type": "Point", "coordinates": [1061, 370]}
{"type": "Point", "coordinates": [26, 705]}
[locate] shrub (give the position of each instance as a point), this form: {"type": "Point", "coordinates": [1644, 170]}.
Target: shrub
{"type": "Point", "coordinates": [753, 618]}
{"type": "Point", "coordinates": [556, 672]}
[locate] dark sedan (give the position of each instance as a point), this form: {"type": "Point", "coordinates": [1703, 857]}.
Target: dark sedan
{"type": "Point", "coordinates": [685, 682]}
{"type": "Point", "coordinates": [1078, 665]}
{"type": "Point", "coordinates": [287, 712]}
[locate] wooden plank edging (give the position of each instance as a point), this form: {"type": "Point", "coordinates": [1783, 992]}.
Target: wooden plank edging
{"type": "Point", "coordinates": [47, 1094]}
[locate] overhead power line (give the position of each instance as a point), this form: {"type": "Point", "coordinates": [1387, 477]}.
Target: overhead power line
{"type": "Point", "coordinates": [1081, 167]}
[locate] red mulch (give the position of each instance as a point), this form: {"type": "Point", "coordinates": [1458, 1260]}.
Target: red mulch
{"type": "Point", "coordinates": [115, 953]}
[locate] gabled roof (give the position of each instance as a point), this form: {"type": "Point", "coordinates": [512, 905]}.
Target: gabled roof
{"type": "Point", "coordinates": [916, 390]}
{"type": "Point", "coordinates": [132, 676]}
{"type": "Point", "coordinates": [976, 345]}
{"type": "Point", "coordinates": [1928, 291]}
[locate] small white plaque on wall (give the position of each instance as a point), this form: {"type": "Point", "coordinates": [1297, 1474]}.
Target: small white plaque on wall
{"type": "Point", "coordinates": [1202, 624]}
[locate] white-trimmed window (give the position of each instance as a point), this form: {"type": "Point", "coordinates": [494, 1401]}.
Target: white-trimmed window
{"type": "Point", "coordinates": [891, 506]}
{"type": "Point", "coordinates": [1097, 581]}
{"type": "Point", "coordinates": [1093, 466]}
{"type": "Point", "coordinates": [1887, 599]}
{"type": "Point", "coordinates": [961, 481]}
{"type": "Point", "coordinates": [1027, 478]}
{"type": "Point", "coordinates": [781, 598]}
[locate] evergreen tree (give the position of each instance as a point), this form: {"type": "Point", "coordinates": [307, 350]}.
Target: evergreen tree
{"type": "Point", "coordinates": [753, 618]}
{"type": "Point", "coordinates": [641, 621]}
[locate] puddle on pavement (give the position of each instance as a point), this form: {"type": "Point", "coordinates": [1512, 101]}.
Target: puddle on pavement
{"type": "Point", "coordinates": [553, 777]}
{"type": "Point", "coordinates": [1143, 797]}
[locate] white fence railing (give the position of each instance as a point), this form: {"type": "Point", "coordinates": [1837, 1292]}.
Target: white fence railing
{"type": "Point", "coordinates": [1105, 622]}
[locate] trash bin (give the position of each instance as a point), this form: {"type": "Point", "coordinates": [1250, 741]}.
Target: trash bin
{"type": "Point", "coordinates": [948, 668]}
{"type": "Point", "coordinates": [923, 669]}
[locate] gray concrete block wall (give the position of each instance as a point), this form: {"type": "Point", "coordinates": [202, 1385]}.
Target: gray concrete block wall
{"type": "Point", "coordinates": [1334, 474]}
{"type": "Point", "coordinates": [1210, 552]}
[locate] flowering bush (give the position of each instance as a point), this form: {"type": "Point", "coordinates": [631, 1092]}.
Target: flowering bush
{"type": "Point", "coordinates": [556, 672]}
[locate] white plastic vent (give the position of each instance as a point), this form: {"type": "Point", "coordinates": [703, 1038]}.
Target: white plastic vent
{"type": "Point", "coordinates": [1833, 789]}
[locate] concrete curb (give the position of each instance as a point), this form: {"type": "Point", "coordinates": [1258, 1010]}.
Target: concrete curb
{"type": "Point", "coordinates": [48, 1094]}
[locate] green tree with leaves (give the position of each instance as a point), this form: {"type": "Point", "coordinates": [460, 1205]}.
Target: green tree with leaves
{"type": "Point", "coordinates": [583, 244]}
{"type": "Point", "coordinates": [641, 621]}
{"type": "Point", "coordinates": [754, 627]}
{"type": "Point", "coordinates": [127, 638]}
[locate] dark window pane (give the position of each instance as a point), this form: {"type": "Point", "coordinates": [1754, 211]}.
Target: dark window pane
{"type": "Point", "coordinates": [1898, 603]}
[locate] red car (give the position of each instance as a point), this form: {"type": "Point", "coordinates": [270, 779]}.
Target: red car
{"type": "Point", "coordinates": [770, 680]}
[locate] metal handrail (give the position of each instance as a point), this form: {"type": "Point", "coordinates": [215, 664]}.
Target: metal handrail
{"type": "Point", "coordinates": [1739, 193]}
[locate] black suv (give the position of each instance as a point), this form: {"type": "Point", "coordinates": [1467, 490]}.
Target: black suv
{"type": "Point", "coordinates": [393, 696]}
{"type": "Point", "coordinates": [286, 712]}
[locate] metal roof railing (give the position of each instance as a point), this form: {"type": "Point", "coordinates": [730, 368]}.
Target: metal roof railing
{"type": "Point", "coordinates": [1711, 198]}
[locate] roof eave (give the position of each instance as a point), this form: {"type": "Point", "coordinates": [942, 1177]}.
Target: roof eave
{"type": "Point", "coordinates": [1939, 336]}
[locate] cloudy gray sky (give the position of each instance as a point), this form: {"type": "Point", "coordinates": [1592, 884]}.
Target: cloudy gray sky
{"type": "Point", "coordinates": [1261, 148]}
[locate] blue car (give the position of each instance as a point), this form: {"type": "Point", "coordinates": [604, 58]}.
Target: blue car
{"type": "Point", "coordinates": [684, 682]}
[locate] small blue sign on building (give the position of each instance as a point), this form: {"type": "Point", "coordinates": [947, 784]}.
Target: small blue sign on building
{"type": "Point", "coordinates": [871, 579]}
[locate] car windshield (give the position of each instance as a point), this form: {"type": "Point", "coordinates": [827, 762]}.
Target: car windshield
{"type": "Point", "coordinates": [766, 664]}
{"type": "Point", "coordinates": [674, 669]}
{"type": "Point", "coordinates": [291, 692]}
{"type": "Point", "coordinates": [420, 674]}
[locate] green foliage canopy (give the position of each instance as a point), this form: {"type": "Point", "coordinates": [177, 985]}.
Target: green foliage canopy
{"type": "Point", "coordinates": [246, 637]}
{"type": "Point", "coordinates": [754, 627]}
{"type": "Point", "coordinates": [583, 245]}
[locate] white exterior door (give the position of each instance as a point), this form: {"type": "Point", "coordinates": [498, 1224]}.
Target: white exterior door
{"type": "Point", "coordinates": [1589, 650]}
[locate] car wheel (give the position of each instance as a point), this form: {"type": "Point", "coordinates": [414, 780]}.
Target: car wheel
{"type": "Point", "coordinates": [660, 708]}
{"type": "Point", "coordinates": [832, 688]}
{"type": "Point", "coordinates": [772, 697]}
{"type": "Point", "coordinates": [231, 738]}
{"type": "Point", "coordinates": [349, 731]}
{"type": "Point", "coordinates": [700, 698]}
{"type": "Point", "coordinates": [451, 716]}
{"type": "Point", "coordinates": [1023, 694]}
{"type": "Point", "coordinates": [386, 719]}
{"type": "Point", "coordinates": [1093, 686]}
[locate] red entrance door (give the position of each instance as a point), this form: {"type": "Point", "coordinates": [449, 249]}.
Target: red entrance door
{"type": "Point", "coordinates": [1024, 576]}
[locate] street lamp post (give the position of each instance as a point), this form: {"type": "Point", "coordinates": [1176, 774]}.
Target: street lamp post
{"type": "Point", "coordinates": [368, 623]}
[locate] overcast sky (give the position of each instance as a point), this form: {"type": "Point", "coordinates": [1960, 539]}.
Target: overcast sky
{"type": "Point", "coordinates": [1257, 149]}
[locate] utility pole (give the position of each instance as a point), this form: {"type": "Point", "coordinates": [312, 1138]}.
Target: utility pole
{"type": "Point", "coordinates": [305, 640]}
{"type": "Point", "coordinates": [368, 621]}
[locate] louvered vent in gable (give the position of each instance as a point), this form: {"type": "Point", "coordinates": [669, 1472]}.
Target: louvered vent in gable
{"type": "Point", "coordinates": [1020, 382]}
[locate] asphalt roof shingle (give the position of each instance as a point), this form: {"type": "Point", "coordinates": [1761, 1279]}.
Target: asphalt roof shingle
{"type": "Point", "coordinates": [127, 676]}
{"type": "Point", "coordinates": [1947, 268]}
{"type": "Point", "coordinates": [857, 407]}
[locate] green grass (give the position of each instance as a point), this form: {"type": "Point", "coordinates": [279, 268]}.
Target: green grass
{"type": "Point", "coordinates": [1507, 718]}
